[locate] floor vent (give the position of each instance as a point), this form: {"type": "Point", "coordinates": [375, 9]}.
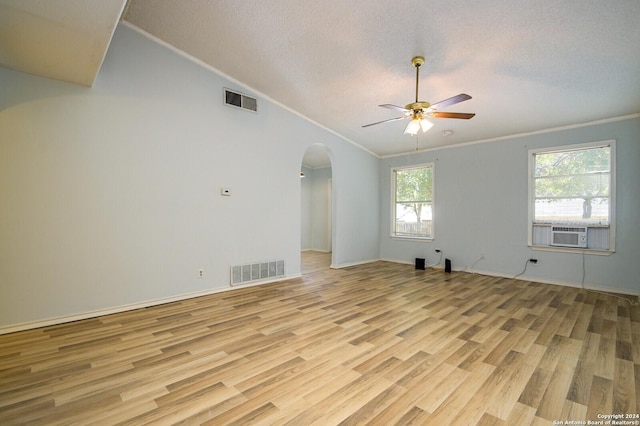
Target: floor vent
{"type": "Point", "coordinates": [241, 274]}
{"type": "Point", "coordinates": [238, 100]}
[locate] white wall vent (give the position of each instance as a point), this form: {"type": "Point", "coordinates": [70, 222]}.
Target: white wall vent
{"type": "Point", "coordinates": [569, 236]}
{"type": "Point", "coordinates": [239, 100]}
{"type": "Point", "coordinates": [241, 274]}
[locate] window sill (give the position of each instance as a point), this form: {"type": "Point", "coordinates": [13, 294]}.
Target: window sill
{"type": "Point", "coordinates": [576, 224]}
{"type": "Point", "coordinates": [408, 238]}
{"type": "Point", "coordinates": [596, 252]}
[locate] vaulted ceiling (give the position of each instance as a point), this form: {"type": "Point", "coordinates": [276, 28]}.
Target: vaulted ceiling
{"type": "Point", "coordinates": [529, 66]}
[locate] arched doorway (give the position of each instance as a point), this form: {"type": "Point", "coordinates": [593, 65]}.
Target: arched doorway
{"type": "Point", "coordinates": [316, 188]}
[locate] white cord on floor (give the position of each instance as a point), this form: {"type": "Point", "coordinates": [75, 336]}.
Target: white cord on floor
{"type": "Point", "coordinates": [436, 264]}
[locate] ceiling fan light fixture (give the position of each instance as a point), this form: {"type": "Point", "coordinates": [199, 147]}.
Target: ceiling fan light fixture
{"type": "Point", "coordinates": [413, 127]}
{"type": "Point", "coordinates": [416, 124]}
{"type": "Point", "coordinates": [425, 124]}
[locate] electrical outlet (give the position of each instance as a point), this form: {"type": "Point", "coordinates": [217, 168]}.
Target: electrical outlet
{"type": "Point", "coordinates": [534, 261]}
{"type": "Point", "coordinates": [200, 273]}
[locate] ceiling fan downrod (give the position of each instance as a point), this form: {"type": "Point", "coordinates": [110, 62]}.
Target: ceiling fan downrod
{"type": "Point", "coordinates": [417, 62]}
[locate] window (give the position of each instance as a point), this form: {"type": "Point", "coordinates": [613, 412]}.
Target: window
{"type": "Point", "coordinates": [412, 212]}
{"type": "Point", "coordinates": [571, 196]}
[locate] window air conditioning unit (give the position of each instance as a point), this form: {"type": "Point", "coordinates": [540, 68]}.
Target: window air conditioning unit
{"type": "Point", "coordinates": [567, 236]}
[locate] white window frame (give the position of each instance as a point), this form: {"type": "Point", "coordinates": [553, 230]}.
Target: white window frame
{"type": "Point", "coordinates": [612, 195]}
{"type": "Point", "coordinates": [394, 202]}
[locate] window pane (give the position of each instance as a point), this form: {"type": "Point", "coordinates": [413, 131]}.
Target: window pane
{"type": "Point", "coordinates": [589, 160]}
{"type": "Point", "coordinates": [580, 186]}
{"type": "Point", "coordinates": [413, 184]}
{"type": "Point", "coordinates": [413, 213]}
{"type": "Point", "coordinates": [414, 219]}
{"type": "Point", "coordinates": [573, 186]}
{"type": "Point", "coordinates": [572, 210]}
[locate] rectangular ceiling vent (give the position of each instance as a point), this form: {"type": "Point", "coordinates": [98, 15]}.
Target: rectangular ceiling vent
{"type": "Point", "coordinates": [240, 100]}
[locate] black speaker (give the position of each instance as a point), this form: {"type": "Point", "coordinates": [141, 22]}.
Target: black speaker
{"type": "Point", "coordinates": [447, 265]}
{"type": "Point", "coordinates": [419, 263]}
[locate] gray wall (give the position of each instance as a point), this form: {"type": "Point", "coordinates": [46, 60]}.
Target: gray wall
{"type": "Point", "coordinates": [481, 209]}
{"type": "Point", "coordinates": [110, 196]}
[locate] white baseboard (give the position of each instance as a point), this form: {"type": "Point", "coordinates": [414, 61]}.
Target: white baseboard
{"type": "Point", "coordinates": [404, 262]}
{"type": "Point", "coordinates": [626, 291]}
{"type": "Point", "coordinates": [129, 307]}
{"type": "Point", "coordinates": [132, 306]}
{"type": "Point", "coordinates": [346, 265]}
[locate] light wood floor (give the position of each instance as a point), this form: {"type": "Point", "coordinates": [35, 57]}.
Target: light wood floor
{"type": "Point", "coordinates": [380, 344]}
{"type": "Point", "coordinates": [313, 261]}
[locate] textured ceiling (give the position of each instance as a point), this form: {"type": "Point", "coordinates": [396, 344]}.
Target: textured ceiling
{"type": "Point", "coordinates": [62, 39]}
{"type": "Point", "coordinates": [529, 66]}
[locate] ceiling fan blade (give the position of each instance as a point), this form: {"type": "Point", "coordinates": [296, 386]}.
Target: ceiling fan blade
{"type": "Point", "coordinates": [463, 115]}
{"type": "Point", "coordinates": [396, 107]}
{"type": "Point", "coordinates": [385, 121]}
{"type": "Point", "coordinates": [451, 101]}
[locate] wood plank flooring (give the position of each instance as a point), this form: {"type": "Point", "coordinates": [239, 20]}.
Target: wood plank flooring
{"type": "Point", "coordinates": [377, 344]}
{"type": "Point", "coordinates": [313, 261]}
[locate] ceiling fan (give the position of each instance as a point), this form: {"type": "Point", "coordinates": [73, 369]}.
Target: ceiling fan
{"type": "Point", "coordinates": [419, 110]}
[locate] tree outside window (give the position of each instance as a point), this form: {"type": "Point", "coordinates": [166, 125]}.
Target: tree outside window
{"type": "Point", "coordinates": [413, 207]}
{"type": "Point", "coordinates": [572, 189]}
{"type": "Point", "coordinates": [573, 186]}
